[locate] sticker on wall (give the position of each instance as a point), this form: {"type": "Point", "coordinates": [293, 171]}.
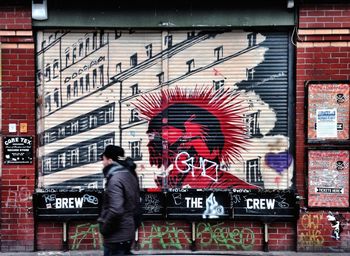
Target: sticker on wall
{"type": "Point", "coordinates": [18, 150]}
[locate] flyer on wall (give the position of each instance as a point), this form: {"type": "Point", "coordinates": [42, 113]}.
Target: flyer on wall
{"type": "Point", "coordinates": [326, 120]}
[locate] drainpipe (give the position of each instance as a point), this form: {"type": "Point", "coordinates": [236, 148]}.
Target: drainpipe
{"type": "Point", "coordinates": [193, 242]}
{"type": "Point", "coordinates": [65, 235]}
{"type": "Point", "coordinates": [137, 246]}
{"type": "Point", "coordinates": [266, 237]}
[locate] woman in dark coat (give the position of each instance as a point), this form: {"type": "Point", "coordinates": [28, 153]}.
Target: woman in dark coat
{"type": "Point", "coordinates": [120, 202]}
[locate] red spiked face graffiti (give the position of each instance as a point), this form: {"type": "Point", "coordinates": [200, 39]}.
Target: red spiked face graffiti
{"type": "Point", "coordinates": [192, 134]}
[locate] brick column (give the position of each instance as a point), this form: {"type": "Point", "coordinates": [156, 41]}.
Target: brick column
{"type": "Point", "coordinates": [323, 53]}
{"type": "Point", "coordinates": [17, 106]}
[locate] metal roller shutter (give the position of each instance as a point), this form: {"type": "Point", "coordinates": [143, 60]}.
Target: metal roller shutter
{"type": "Point", "coordinates": [199, 109]}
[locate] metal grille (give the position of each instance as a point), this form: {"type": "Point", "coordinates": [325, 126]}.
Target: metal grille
{"type": "Point", "coordinates": [199, 109]}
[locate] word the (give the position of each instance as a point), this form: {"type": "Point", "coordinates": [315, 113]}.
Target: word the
{"type": "Point", "coordinates": [194, 202]}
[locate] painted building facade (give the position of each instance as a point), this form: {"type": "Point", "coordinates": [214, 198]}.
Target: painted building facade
{"type": "Point", "coordinates": [107, 90]}
{"type": "Point", "coordinates": [212, 115]}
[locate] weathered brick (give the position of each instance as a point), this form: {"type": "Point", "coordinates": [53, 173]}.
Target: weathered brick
{"type": "Point", "coordinates": [17, 230]}
{"type": "Point", "coordinates": [329, 62]}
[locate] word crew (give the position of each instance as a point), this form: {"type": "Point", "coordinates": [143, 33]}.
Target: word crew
{"type": "Point", "coordinates": [254, 203]}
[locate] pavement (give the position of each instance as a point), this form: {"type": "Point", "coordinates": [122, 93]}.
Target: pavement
{"type": "Point", "coordinates": [178, 253]}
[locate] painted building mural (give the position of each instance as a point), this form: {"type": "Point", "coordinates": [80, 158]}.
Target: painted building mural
{"type": "Point", "coordinates": [194, 109]}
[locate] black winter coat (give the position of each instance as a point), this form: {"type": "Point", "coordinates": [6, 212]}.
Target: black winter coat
{"type": "Point", "coordinates": [120, 201]}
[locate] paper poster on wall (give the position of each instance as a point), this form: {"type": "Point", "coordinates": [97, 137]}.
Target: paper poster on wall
{"type": "Point", "coordinates": [326, 123]}
{"type": "Point", "coordinates": [18, 150]}
{"type": "Point", "coordinates": [328, 178]}
{"type": "Point", "coordinates": [328, 111]}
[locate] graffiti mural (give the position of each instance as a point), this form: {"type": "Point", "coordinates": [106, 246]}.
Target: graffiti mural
{"type": "Point", "coordinates": [224, 236]}
{"type": "Point", "coordinates": [311, 235]}
{"type": "Point", "coordinates": [324, 231]}
{"type": "Point", "coordinates": [194, 109]}
{"type": "Point", "coordinates": [166, 236]}
{"type": "Point", "coordinates": [338, 222]}
{"type": "Point", "coordinates": [208, 235]}
{"type": "Point", "coordinates": [192, 134]}
{"type": "Point", "coordinates": [85, 233]}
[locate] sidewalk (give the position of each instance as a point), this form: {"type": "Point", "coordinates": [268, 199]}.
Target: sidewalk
{"type": "Point", "coordinates": [172, 253]}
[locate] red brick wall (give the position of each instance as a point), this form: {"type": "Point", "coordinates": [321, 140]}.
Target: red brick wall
{"type": "Point", "coordinates": [18, 106]}
{"type": "Point", "coordinates": [175, 235]}
{"type": "Point", "coordinates": [216, 236]}
{"type": "Point", "coordinates": [323, 53]}
{"type": "Point", "coordinates": [315, 233]}
{"type": "Point", "coordinates": [324, 16]}
{"type": "Point", "coordinates": [49, 236]}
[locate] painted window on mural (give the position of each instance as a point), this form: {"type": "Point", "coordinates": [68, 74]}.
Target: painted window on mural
{"type": "Point", "coordinates": [197, 109]}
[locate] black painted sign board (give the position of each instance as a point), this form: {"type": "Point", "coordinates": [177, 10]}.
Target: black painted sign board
{"type": "Point", "coordinates": [70, 205]}
{"type": "Point", "coordinates": [153, 205]}
{"type": "Point", "coordinates": [264, 205]}
{"type": "Point", "coordinates": [186, 204]}
{"type": "Point", "coordinates": [240, 204]}
{"type": "Point", "coordinates": [197, 204]}
{"type": "Point", "coordinates": [18, 150]}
